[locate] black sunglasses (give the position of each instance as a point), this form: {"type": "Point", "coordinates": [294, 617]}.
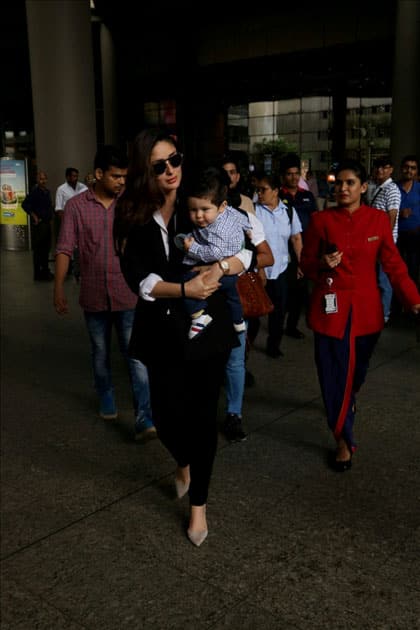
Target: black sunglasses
{"type": "Point", "coordinates": [174, 160]}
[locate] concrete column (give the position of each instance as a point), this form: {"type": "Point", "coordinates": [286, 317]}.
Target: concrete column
{"type": "Point", "coordinates": [405, 125]}
{"type": "Point", "coordinates": [61, 59]}
{"type": "Point", "coordinates": [109, 89]}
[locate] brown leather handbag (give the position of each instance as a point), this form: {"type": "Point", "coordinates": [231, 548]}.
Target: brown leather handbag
{"type": "Point", "coordinates": [254, 298]}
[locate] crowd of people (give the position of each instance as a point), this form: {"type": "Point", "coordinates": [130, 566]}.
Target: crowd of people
{"type": "Point", "coordinates": [160, 247]}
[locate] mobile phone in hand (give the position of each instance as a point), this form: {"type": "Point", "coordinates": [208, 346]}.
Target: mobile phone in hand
{"type": "Point", "coordinates": [331, 248]}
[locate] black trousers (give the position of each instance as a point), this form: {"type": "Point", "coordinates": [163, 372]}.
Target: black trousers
{"type": "Point", "coordinates": [277, 290]}
{"type": "Point", "coordinates": [297, 297]}
{"type": "Point", "coordinates": [408, 244]}
{"type": "Point", "coordinates": [41, 245]}
{"type": "Point", "coordinates": [184, 399]}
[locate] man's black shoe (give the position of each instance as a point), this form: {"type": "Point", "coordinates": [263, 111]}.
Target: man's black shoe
{"type": "Point", "coordinates": [273, 352]}
{"type": "Point", "coordinates": [232, 428]}
{"type": "Point", "coordinates": [295, 333]}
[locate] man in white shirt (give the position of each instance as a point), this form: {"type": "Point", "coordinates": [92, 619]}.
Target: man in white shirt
{"type": "Point", "coordinates": [66, 191]}
{"type": "Point", "coordinates": [69, 189]}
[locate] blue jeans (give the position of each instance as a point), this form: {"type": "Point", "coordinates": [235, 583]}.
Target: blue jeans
{"type": "Point", "coordinates": [386, 291]}
{"type": "Point", "coordinates": [235, 377]}
{"type": "Point", "coordinates": [99, 327]}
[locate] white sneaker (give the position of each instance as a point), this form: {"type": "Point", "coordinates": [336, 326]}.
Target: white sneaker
{"type": "Point", "coordinates": [198, 325]}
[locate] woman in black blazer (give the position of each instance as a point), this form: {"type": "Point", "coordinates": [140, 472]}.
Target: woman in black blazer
{"type": "Point", "coordinates": [185, 375]}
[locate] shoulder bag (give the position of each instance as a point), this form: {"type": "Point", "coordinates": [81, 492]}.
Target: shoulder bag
{"type": "Point", "coordinates": [254, 298]}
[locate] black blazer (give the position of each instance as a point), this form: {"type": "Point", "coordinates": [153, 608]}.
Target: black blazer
{"type": "Point", "coordinates": [161, 327]}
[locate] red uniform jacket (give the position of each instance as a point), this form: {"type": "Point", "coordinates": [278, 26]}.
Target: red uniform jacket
{"type": "Point", "coordinates": [364, 237]}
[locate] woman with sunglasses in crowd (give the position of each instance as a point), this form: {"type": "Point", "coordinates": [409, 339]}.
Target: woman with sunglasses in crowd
{"type": "Point", "coordinates": [185, 376]}
{"type": "Point", "coordinates": [340, 254]}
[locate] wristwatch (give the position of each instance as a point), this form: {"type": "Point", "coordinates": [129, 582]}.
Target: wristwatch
{"type": "Point", "coordinates": [224, 265]}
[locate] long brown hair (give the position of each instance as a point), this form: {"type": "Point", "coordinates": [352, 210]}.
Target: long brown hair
{"type": "Point", "coordinates": [142, 196]}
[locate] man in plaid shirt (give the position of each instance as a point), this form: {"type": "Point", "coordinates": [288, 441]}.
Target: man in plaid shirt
{"type": "Point", "coordinates": [105, 297]}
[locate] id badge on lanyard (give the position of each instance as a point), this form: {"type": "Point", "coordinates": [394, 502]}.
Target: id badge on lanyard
{"type": "Point", "coordinates": [330, 299]}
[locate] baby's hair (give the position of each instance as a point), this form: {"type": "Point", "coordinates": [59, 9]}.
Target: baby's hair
{"type": "Point", "coordinates": [210, 183]}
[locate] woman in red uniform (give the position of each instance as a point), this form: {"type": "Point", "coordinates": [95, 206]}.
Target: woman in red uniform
{"type": "Point", "coordinates": [340, 254]}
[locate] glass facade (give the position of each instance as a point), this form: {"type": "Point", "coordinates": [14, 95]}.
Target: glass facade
{"type": "Point", "coordinates": [304, 125]}
{"type": "Point", "coordinates": [263, 131]}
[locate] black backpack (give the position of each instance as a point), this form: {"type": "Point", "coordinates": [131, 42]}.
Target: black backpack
{"type": "Point", "coordinates": [289, 209]}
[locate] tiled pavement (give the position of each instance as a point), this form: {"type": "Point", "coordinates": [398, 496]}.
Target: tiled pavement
{"type": "Point", "coordinates": [93, 537]}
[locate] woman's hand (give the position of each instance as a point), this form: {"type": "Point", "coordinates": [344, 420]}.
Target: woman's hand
{"type": "Point", "coordinates": [202, 268]}
{"type": "Point", "coordinates": [332, 260]}
{"type": "Point", "coordinates": [216, 272]}
{"type": "Point", "coordinates": [202, 285]}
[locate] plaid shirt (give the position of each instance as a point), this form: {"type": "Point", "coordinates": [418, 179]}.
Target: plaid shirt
{"type": "Point", "coordinates": [224, 237]}
{"type": "Point", "coordinates": [87, 225]}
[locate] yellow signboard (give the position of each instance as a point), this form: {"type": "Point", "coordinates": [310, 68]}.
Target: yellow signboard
{"type": "Point", "coordinates": [12, 192]}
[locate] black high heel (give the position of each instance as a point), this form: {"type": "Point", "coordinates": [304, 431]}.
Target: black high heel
{"type": "Point", "coordinates": [339, 465]}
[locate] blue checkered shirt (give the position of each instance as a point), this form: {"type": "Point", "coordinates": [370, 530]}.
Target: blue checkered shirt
{"type": "Point", "coordinates": [222, 238]}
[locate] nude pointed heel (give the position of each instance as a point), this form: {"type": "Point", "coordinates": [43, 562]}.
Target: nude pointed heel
{"type": "Point", "coordinates": [197, 538]}
{"type": "Point", "coordinates": [181, 488]}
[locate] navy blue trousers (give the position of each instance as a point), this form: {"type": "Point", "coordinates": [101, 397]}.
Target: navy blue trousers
{"type": "Point", "coordinates": [342, 365]}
